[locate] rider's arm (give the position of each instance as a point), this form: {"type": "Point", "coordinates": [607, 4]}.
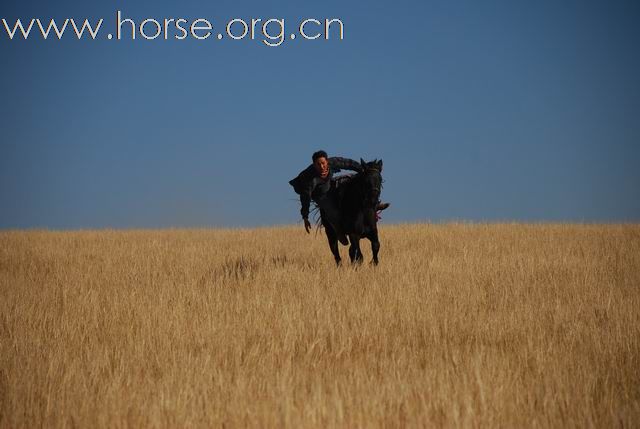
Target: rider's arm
{"type": "Point", "coordinates": [303, 185]}
{"type": "Point", "coordinates": [339, 163]}
{"type": "Point", "coordinates": [305, 201]}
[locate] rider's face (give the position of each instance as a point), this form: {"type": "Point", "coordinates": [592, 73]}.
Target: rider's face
{"type": "Point", "coordinates": [322, 166]}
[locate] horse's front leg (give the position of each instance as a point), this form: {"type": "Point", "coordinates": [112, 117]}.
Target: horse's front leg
{"type": "Point", "coordinates": [354, 250]}
{"type": "Point", "coordinates": [375, 245]}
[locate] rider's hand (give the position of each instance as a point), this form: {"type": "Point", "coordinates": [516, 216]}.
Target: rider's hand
{"type": "Point", "coordinates": [307, 225]}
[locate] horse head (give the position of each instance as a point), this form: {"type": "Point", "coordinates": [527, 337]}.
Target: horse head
{"type": "Point", "coordinates": [371, 181]}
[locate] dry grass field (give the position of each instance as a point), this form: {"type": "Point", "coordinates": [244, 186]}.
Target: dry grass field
{"type": "Point", "coordinates": [461, 325]}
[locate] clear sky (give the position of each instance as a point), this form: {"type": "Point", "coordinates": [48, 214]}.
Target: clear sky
{"type": "Point", "coordinates": [481, 110]}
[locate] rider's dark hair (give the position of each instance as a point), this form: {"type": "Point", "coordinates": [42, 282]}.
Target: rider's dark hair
{"type": "Point", "coordinates": [318, 154]}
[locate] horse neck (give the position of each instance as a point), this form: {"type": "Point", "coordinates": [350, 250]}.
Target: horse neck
{"type": "Point", "coordinates": [359, 190]}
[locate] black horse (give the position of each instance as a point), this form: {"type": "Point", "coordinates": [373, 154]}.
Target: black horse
{"type": "Point", "coordinates": [357, 198]}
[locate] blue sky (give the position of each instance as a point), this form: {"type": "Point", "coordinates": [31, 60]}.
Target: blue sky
{"type": "Point", "coordinates": [481, 111]}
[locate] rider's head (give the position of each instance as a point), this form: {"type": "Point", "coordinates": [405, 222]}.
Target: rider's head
{"type": "Point", "coordinates": [321, 163]}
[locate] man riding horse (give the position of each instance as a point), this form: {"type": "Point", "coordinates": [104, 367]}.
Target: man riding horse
{"type": "Point", "coordinates": [314, 183]}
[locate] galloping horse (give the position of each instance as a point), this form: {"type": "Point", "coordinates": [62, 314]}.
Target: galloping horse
{"type": "Point", "coordinates": [357, 198]}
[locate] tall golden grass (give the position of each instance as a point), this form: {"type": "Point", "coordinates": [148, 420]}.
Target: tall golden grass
{"type": "Point", "coordinates": [482, 325]}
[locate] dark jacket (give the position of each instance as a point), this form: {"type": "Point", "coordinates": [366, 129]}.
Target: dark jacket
{"type": "Point", "coordinates": [309, 185]}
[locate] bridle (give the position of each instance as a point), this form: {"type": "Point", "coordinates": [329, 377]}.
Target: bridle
{"type": "Point", "coordinates": [364, 186]}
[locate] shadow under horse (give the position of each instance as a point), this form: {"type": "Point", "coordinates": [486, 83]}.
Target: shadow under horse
{"type": "Point", "coordinates": [357, 199]}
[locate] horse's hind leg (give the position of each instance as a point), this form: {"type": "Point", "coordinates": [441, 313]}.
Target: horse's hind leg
{"type": "Point", "coordinates": [333, 242]}
{"type": "Point", "coordinates": [375, 246]}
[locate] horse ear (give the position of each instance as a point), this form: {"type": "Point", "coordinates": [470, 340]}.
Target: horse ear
{"type": "Point", "coordinates": [362, 163]}
{"type": "Point", "coordinates": [380, 166]}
